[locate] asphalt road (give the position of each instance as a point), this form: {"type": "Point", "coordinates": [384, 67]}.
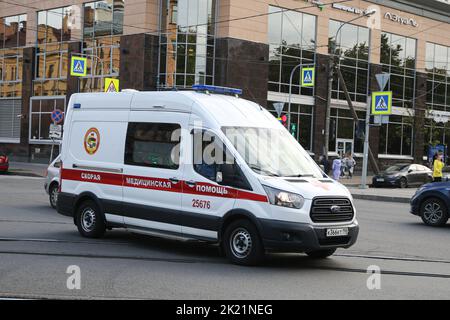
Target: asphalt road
{"type": "Point", "coordinates": [37, 246]}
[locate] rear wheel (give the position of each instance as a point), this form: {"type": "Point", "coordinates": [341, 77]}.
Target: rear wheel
{"type": "Point", "coordinates": [89, 220]}
{"type": "Point", "coordinates": [434, 212]}
{"type": "Point", "coordinates": [242, 244]}
{"type": "Point", "coordinates": [53, 195]}
{"type": "Point", "coordinates": [321, 254]}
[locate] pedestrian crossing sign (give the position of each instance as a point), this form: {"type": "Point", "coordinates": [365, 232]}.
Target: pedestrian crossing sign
{"type": "Point", "coordinates": [111, 85]}
{"type": "Point", "coordinates": [308, 77]}
{"type": "Point", "coordinates": [78, 67]}
{"type": "Point", "coordinates": [382, 103]}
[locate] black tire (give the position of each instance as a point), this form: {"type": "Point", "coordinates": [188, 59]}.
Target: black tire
{"type": "Point", "coordinates": [403, 183]}
{"type": "Point", "coordinates": [242, 243]}
{"type": "Point", "coordinates": [53, 195]}
{"type": "Point", "coordinates": [89, 220]}
{"type": "Point", "coordinates": [434, 212]}
{"type": "Point", "coordinates": [321, 254]}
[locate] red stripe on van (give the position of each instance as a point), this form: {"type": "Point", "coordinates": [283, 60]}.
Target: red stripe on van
{"type": "Point", "coordinates": [151, 183]}
{"type": "Point", "coordinates": [200, 188]}
{"type": "Point", "coordinates": [92, 176]}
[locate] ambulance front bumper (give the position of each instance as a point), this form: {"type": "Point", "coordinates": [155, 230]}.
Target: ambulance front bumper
{"type": "Point", "coordinates": [280, 236]}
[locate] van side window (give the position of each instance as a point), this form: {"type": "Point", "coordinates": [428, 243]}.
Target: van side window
{"type": "Point", "coordinates": [153, 145]}
{"type": "Point", "coordinates": [211, 158]}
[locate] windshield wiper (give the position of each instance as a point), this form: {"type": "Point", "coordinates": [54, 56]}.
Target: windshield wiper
{"type": "Point", "coordinates": [267, 172]}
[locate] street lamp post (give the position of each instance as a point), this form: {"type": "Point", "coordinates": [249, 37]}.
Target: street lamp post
{"type": "Point", "coordinates": [331, 66]}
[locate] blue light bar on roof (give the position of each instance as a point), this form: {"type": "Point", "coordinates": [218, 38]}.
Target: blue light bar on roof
{"type": "Point", "coordinates": [214, 89]}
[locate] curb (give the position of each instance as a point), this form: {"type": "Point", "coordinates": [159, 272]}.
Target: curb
{"type": "Point", "coordinates": [22, 174]}
{"type": "Point", "coordinates": [381, 198]}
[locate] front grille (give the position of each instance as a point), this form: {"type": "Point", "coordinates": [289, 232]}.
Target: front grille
{"type": "Point", "coordinates": [321, 210]}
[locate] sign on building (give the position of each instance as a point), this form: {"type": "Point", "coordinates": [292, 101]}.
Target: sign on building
{"type": "Point", "coordinates": [308, 77]}
{"type": "Point", "coordinates": [55, 131]}
{"type": "Point", "coordinates": [382, 103]}
{"type": "Point", "coordinates": [111, 85]}
{"type": "Point", "coordinates": [78, 67]}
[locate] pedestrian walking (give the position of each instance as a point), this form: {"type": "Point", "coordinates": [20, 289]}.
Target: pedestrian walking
{"type": "Point", "coordinates": [350, 164]}
{"type": "Point", "coordinates": [336, 168]}
{"type": "Point", "coordinates": [438, 165]}
{"type": "Point", "coordinates": [323, 161]}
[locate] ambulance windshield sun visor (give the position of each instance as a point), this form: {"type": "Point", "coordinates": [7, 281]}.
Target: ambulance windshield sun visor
{"type": "Point", "coordinates": [272, 152]}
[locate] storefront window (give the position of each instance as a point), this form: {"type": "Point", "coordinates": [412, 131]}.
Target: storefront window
{"type": "Point", "coordinates": [352, 48]}
{"type": "Point", "coordinates": [438, 84]}
{"type": "Point", "coordinates": [398, 57]}
{"type": "Point", "coordinates": [300, 123]}
{"type": "Point", "coordinates": [396, 137]}
{"type": "Point", "coordinates": [344, 128]}
{"type": "Point", "coordinates": [41, 110]}
{"type": "Point", "coordinates": [187, 43]}
{"type": "Point", "coordinates": [292, 38]}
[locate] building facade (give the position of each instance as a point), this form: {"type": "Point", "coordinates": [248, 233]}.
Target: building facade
{"type": "Point", "coordinates": [251, 44]}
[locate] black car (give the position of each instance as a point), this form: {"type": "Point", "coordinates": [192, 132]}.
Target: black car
{"type": "Point", "coordinates": [403, 176]}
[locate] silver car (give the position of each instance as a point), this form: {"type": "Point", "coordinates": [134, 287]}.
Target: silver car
{"type": "Point", "coordinates": [52, 181]}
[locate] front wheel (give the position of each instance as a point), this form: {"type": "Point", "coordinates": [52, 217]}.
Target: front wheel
{"type": "Point", "coordinates": [89, 220]}
{"type": "Point", "coordinates": [403, 183]}
{"type": "Point", "coordinates": [434, 212]}
{"type": "Point", "coordinates": [242, 244]}
{"type": "Point", "coordinates": [321, 254]}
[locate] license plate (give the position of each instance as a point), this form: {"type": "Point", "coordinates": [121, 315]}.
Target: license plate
{"type": "Point", "coordinates": [380, 180]}
{"type": "Point", "coordinates": [341, 232]}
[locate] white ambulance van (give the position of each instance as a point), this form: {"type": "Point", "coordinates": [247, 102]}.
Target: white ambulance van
{"type": "Point", "coordinates": [201, 164]}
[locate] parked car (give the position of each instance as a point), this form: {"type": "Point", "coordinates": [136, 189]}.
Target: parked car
{"type": "Point", "coordinates": [52, 181]}
{"type": "Point", "coordinates": [432, 203]}
{"type": "Point", "coordinates": [4, 162]}
{"type": "Point", "coordinates": [446, 173]}
{"type": "Point", "coordinates": [403, 176]}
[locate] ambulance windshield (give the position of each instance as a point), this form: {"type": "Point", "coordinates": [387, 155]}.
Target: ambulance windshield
{"type": "Point", "coordinates": [272, 152]}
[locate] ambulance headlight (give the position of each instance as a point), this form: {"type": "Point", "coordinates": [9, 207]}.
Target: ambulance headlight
{"type": "Point", "coordinates": [284, 199]}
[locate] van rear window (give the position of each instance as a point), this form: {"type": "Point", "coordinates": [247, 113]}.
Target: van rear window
{"type": "Point", "coordinates": [153, 145]}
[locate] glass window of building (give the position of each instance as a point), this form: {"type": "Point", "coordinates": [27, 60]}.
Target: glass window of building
{"type": "Point", "coordinates": [301, 123]}
{"type": "Point", "coordinates": [352, 48]}
{"type": "Point", "coordinates": [40, 116]}
{"type": "Point", "coordinates": [344, 130]}
{"type": "Point", "coordinates": [53, 33]}
{"type": "Point", "coordinates": [12, 40]}
{"type": "Point", "coordinates": [436, 133]}
{"type": "Point", "coordinates": [397, 136]}
{"type": "Point", "coordinates": [292, 41]}
{"type": "Point", "coordinates": [187, 43]}
{"type": "Point", "coordinates": [438, 83]}
{"type": "Point", "coordinates": [102, 27]}
{"type": "Point", "coordinates": [398, 57]}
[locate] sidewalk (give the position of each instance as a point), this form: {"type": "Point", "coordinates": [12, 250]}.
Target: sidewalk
{"type": "Point", "coordinates": [383, 194]}
{"type": "Point", "coordinates": [27, 169]}
{"type": "Point", "coordinates": [377, 194]}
